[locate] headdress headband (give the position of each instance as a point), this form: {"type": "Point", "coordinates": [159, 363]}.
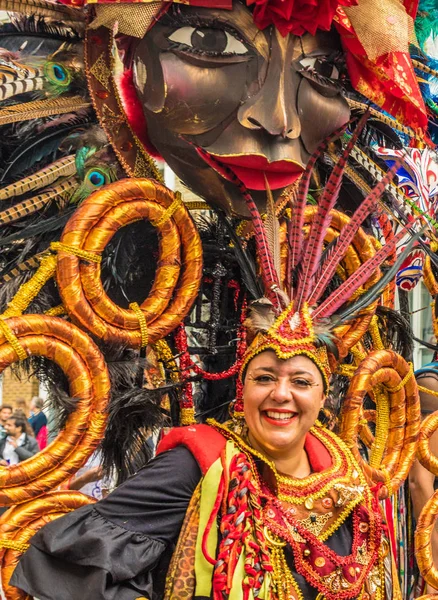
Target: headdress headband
{"type": "Point", "coordinates": [292, 334]}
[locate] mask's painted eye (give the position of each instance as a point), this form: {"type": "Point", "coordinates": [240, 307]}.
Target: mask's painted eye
{"type": "Point", "coordinates": [57, 74]}
{"type": "Point", "coordinates": [208, 40]}
{"type": "Point", "coordinates": [96, 177]}
{"type": "Point", "coordinates": [322, 67]}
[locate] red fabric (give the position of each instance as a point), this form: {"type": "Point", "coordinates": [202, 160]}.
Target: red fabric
{"type": "Point", "coordinates": [134, 111]}
{"type": "Point", "coordinates": [204, 442]}
{"type": "Point", "coordinates": [390, 81]}
{"type": "Point", "coordinates": [319, 457]}
{"type": "Point", "coordinates": [296, 16]}
{"type": "Point", "coordinates": [206, 445]}
{"type": "Point", "coordinates": [41, 437]}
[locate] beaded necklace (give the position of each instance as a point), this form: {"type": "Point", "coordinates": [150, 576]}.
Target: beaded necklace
{"type": "Point", "coordinates": [304, 513]}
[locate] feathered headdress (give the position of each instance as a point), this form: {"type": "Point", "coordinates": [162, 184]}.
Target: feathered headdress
{"type": "Point", "coordinates": [313, 323]}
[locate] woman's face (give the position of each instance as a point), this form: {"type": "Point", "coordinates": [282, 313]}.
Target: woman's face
{"type": "Point", "coordinates": [282, 399]}
{"type": "Point", "coordinates": [213, 86]}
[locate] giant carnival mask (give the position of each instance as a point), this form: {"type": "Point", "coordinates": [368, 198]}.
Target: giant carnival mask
{"type": "Point", "coordinates": [256, 101]}
{"type": "Point", "coordinates": [232, 88]}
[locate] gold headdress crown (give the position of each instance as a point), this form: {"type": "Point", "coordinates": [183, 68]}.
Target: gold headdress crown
{"type": "Point", "coordinates": [291, 334]}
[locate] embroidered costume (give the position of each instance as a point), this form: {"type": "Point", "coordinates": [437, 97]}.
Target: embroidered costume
{"type": "Point", "coordinates": [297, 538]}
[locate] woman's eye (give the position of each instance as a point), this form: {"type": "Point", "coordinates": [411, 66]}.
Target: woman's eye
{"type": "Point", "coordinates": [319, 66]}
{"type": "Point", "coordinates": [263, 379]}
{"type": "Point", "coordinates": [208, 40]}
{"type": "Point", "coordinates": [301, 383]}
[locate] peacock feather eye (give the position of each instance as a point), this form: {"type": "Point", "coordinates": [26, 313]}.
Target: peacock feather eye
{"type": "Point", "coordinates": [57, 74]}
{"type": "Point", "coordinates": [96, 177]}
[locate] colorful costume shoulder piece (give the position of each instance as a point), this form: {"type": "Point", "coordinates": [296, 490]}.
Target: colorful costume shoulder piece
{"type": "Point", "coordinates": [205, 443]}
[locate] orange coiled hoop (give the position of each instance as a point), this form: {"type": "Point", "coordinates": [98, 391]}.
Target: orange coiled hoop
{"type": "Point", "coordinates": [88, 379]}
{"type": "Point", "coordinates": [424, 455]}
{"type": "Point", "coordinates": [178, 274]}
{"type": "Point", "coordinates": [359, 251]}
{"type": "Point", "coordinates": [423, 543]}
{"type": "Point", "coordinates": [389, 377]}
{"type": "Point", "coordinates": [20, 523]}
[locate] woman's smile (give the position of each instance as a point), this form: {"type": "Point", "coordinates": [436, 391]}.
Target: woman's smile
{"type": "Point", "coordinates": [282, 400]}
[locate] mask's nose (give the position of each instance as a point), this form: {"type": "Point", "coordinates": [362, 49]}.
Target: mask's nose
{"type": "Point", "coordinates": [273, 109]}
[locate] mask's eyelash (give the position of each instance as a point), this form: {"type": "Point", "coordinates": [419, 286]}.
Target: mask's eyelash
{"type": "Point", "coordinates": [312, 74]}
{"type": "Point", "coordinates": [187, 49]}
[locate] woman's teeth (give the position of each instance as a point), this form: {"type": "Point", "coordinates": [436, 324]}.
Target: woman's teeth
{"type": "Point", "coordinates": [281, 416]}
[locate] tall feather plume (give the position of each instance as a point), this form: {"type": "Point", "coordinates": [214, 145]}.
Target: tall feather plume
{"type": "Point", "coordinates": [315, 241]}
{"type": "Point", "coordinates": [272, 227]}
{"type": "Point", "coordinates": [376, 290]}
{"type": "Point", "coordinates": [350, 285]}
{"type": "Point", "coordinates": [269, 273]}
{"type": "Point", "coordinates": [337, 249]}
{"type": "Point", "coordinates": [296, 236]}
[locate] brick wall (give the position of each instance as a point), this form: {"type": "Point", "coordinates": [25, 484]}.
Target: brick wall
{"type": "Point", "coordinates": [14, 387]}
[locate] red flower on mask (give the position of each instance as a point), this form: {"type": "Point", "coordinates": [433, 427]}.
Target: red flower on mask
{"type": "Point", "coordinates": [296, 16]}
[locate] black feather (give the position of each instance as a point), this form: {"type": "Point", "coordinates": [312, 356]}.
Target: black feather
{"type": "Point", "coordinates": [44, 145]}
{"type": "Point", "coordinates": [133, 417]}
{"type": "Point", "coordinates": [245, 262]}
{"type": "Point", "coordinates": [53, 224]}
{"type": "Point", "coordinates": [395, 331]}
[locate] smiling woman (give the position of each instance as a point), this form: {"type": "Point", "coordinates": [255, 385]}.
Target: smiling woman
{"type": "Point", "coordinates": [273, 491]}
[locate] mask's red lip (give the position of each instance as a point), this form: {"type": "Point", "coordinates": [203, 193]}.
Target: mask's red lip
{"type": "Point", "coordinates": [251, 170]}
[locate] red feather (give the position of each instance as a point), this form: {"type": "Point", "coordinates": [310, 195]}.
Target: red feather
{"type": "Point", "coordinates": [269, 274]}
{"type": "Point", "coordinates": [296, 225]}
{"type": "Point", "coordinates": [315, 241]}
{"type": "Point", "coordinates": [340, 246]}
{"type": "Point", "coordinates": [353, 283]}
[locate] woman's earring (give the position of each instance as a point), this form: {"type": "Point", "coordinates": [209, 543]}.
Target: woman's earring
{"type": "Point", "coordinates": [237, 416]}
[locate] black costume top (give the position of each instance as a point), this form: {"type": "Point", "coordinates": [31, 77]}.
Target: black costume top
{"type": "Point", "coordinates": [120, 548]}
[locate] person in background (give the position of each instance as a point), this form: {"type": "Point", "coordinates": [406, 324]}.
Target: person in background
{"type": "Point", "coordinates": [38, 421]}
{"type": "Point", "coordinates": [18, 445]}
{"type": "Point", "coordinates": [20, 413]}
{"type": "Point", "coordinates": [21, 404]}
{"type": "Point", "coordinates": [5, 413]}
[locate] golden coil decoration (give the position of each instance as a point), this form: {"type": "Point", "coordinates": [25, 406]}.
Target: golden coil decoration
{"type": "Point", "coordinates": [428, 427]}
{"type": "Point", "coordinates": [21, 522]}
{"type": "Point", "coordinates": [359, 251]}
{"type": "Point", "coordinates": [29, 290]}
{"type": "Point", "coordinates": [87, 375]}
{"type": "Point", "coordinates": [423, 543]}
{"type": "Point", "coordinates": [178, 275]}
{"type": "Point", "coordinates": [429, 278]}
{"type": "Point", "coordinates": [399, 435]}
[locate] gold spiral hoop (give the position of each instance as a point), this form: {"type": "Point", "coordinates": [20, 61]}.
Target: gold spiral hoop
{"type": "Point", "coordinates": [429, 278]}
{"type": "Point", "coordinates": [178, 274]}
{"type": "Point", "coordinates": [428, 427]}
{"type": "Point", "coordinates": [88, 379]}
{"type": "Point", "coordinates": [21, 522]}
{"type": "Point", "coordinates": [365, 432]}
{"type": "Point", "coordinates": [423, 543]}
{"type": "Point", "coordinates": [359, 251]}
{"type": "Point", "coordinates": [389, 370]}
